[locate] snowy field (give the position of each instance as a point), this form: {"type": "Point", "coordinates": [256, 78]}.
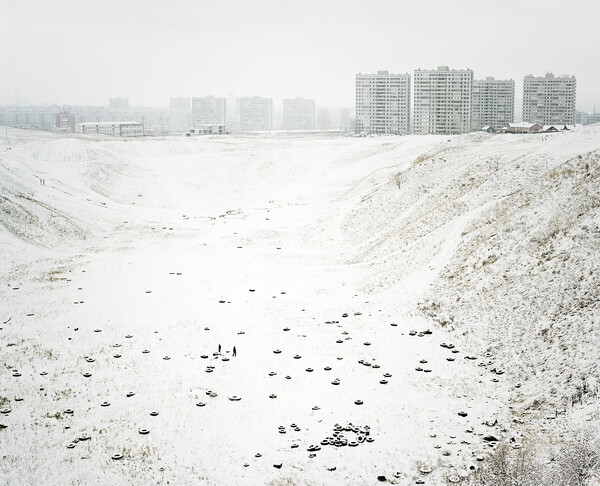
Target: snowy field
{"type": "Point", "coordinates": [337, 267]}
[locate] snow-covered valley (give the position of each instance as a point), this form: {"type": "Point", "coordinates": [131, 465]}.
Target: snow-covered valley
{"type": "Point", "coordinates": [336, 267]}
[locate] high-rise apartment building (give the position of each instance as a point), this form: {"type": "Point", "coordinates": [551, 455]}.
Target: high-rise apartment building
{"type": "Point", "coordinates": [383, 103]}
{"type": "Point", "coordinates": [549, 100]}
{"type": "Point", "coordinates": [298, 114]}
{"type": "Point", "coordinates": [180, 114]}
{"type": "Point", "coordinates": [209, 110]}
{"type": "Point", "coordinates": [118, 103]}
{"type": "Point", "coordinates": [256, 114]}
{"type": "Point", "coordinates": [442, 101]}
{"type": "Point", "coordinates": [493, 103]}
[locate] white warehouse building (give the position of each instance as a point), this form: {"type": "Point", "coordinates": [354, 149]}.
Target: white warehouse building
{"type": "Point", "coordinates": [118, 128]}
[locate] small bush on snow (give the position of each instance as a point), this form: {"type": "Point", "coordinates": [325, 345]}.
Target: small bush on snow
{"type": "Point", "coordinates": [576, 464]}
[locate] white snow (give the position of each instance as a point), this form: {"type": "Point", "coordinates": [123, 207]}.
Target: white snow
{"type": "Point", "coordinates": [489, 241]}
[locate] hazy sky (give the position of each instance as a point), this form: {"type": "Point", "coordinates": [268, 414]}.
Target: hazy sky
{"type": "Point", "coordinates": [83, 52]}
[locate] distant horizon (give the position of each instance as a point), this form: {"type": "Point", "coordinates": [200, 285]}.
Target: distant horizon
{"type": "Point", "coordinates": [131, 105]}
{"type": "Point", "coordinates": [83, 53]}
{"type": "Point", "coordinates": [279, 101]}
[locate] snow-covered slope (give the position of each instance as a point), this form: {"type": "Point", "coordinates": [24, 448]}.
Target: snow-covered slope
{"type": "Point", "coordinates": [330, 249]}
{"type": "Point", "coordinates": [507, 233]}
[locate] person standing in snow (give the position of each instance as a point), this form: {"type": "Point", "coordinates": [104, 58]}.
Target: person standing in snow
{"type": "Point", "coordinates": [219, 349]}
{"type": "Point", "coordinates": [234, 351]}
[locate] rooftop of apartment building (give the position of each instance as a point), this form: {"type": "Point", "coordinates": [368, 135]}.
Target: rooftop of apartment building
{"type": "Point", "coordinates": [443, 69]}
{"type": "Point", "coordinates": [494, 80]}
{"type": "Point", "coordinates": [111, 123]}
{"type": "Point", "coordinates": [549, 76]}
{"type": "Point", "coordinates": [381, 73]}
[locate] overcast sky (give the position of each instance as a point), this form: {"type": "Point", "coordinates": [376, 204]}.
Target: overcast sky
{"type": "Point", "coordinates": [83, 52]}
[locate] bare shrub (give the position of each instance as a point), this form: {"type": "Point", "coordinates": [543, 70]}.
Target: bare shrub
{"type": "Point", "coordinates": [508, 467]}
{"type": "Point", "coordinates": [577, 463]}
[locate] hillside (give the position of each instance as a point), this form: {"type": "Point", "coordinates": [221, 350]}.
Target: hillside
{"type": "Point", "coordinates": [507, 231]}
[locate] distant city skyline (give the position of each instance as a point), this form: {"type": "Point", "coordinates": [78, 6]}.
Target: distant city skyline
{"type": "Point", "coordinates": [85, 53]}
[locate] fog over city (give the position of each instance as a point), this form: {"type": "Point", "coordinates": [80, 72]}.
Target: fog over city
{"type": "Point", "coordinates": [68, 52]}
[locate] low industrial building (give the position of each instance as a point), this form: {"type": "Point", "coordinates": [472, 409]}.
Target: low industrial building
{"type": "Point", "coordinates": [207, 129]}
{"type": "Point", "coordinates": [117, 129]}
{"type": "Point", "coordinates": [522, 127]}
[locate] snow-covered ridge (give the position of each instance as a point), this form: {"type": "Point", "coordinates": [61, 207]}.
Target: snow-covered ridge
{"type": "Point", "coordinates": [506, 232]}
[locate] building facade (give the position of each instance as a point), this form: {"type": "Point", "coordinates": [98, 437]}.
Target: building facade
{"type": "Point", "coordinates": [180, 114]}
{"type": "Point", "coordinates": [383, 103]}
{"type": "Point", "coordinates": [256, 114]}
{"type": "Point", "coordinates": [118, 103]}
{"type": "Point", "coordinates": [587, 118]}
{"type": "Point", "coordinates": [493, 103]}
{"type": "Point", "coordinates": [214, 129]}
{"type": "Point", "coordinates": [298, 114]}
{"type": "Point", "coordinates": [549, 100]}
{"type": "Point", "coordinates": [148, 117]}
{"type": "Point", "coordinates": [442, 101]}
{"type": "Point", "coordinates": [209, 110]}
{"type": "Point", "coordinates": [45, 117]}
{"type": "Point", "coordinates": [37, 117]}
{"type": "Point", "coordinates": [64, 122]}
{"type": "Point", "coordinates": [117, 129]}
{"type": "Point", "coordinates": [522, 127]}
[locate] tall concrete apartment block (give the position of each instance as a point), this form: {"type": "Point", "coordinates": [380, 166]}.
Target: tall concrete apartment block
{"type": "Point", "coordinates": [298, 114]}
{"type": "Point", "coordinates": [493, 103]}
{"type": "Point", "coordinates": [118, 103]}
{"type": "Point", "coordinates": [383, 103]}
{"type": "Point", "coordinates": [442, 101]}
{"type": "Point", "coordinates": [180, 114]}
{"type": "Point", "coordinates": [549, 100]}
{"type": "Point", "coordinates": [256, 114]}
{"type": "Point", "coordinates": [209, 110]}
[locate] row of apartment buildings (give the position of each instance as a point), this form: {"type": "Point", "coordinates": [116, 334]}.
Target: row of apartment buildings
{"type": "Point", "coordinates": [64, 118]}
{"type": "Point", "coordinates": [449, 101]}
{"type": "Point", "coordinates": [252, 113]}
{"type": "Point", "coordinates": [237, 114]}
